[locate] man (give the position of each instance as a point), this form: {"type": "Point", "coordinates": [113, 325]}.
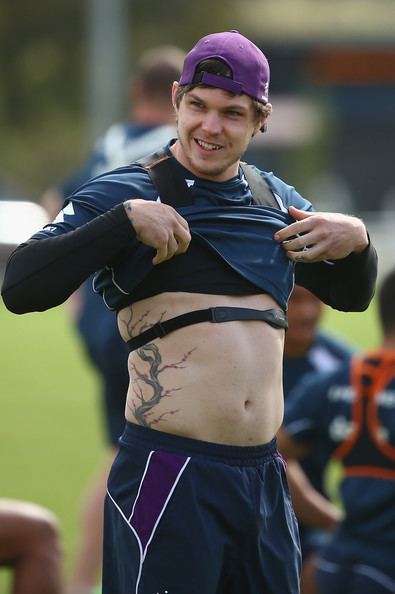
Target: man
{"type": "Point", "coordinates": [351, 414]}
{"type": "Point", "coordinates": [309, 350]}
{"type": "Point", "coordinates": [150, 124]}
{"type": "Point", "coordinates": [197, 497]}
{"type": "Point", "coordinates": [30, 547]}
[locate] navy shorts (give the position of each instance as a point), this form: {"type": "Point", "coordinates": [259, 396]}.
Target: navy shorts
{"type": "Point", "coordinates": [189, 517]}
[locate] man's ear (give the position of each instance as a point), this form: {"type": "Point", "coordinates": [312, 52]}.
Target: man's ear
{"type": "Point", "coordinates": [261, 126]}
{"type": "Point", "coordinates": [269, 110]}
{"type": "Point", "coordinates": [173, 94]}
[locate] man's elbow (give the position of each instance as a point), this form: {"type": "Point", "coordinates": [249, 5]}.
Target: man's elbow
{"type": "Point", "coordinates": [355, 303]}
{"type": "Point", "coordinates": [15, 302]}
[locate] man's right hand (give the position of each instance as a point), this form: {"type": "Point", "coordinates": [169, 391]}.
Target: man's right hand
{"type": "Point", "coordinates": [159, 226]}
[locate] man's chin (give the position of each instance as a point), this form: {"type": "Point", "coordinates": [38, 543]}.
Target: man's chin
{"type": "Point", "coordinates": [207, 168]}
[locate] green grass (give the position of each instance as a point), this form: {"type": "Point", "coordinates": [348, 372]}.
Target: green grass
{"type": "Point", "coordinates": [50, 427]}
{"type": "Point", "coordinates": [51, 441]}
{"type": "Point", "coordinates": [357, 328]}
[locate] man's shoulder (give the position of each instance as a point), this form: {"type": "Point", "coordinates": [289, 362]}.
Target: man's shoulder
{"type": "Point", "coordinates": [116, 185]}
{"type": "Point", "coordinates": [285, 193]}
{"type": "Point", "coordinates": [131, 173]}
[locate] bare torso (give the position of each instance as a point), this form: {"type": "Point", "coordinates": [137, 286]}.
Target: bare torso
{"type": "Point", "coordinates": [214, 382]}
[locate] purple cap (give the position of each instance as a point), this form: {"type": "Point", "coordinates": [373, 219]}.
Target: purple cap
{"type": "Point", "coordinates": [249, 66]}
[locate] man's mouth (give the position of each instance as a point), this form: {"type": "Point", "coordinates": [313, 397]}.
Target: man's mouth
{"type": "Point", "coordinates": [207, 146]}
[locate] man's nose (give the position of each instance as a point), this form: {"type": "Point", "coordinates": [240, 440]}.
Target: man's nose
{"type": "Point", "coordinates": [212, 122]}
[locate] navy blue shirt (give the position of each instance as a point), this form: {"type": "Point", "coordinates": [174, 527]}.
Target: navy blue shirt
{"type": "Point", "coordinates": [320, 414]}
{"type": "Point", "coordinates": [326, 354]}
{"type": "Point", "coordinates": [222, 217]}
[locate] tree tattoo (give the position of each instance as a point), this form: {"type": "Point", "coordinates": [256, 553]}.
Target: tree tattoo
{"type": "Point", "coordinates": [137, 326]}
{"type": "Point", "coordinates": [147, 388]}
{"type": "Point", "coordinates": [142, 406]}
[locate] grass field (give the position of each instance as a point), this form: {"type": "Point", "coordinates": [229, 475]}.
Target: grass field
{"type": "Point", "coordinates": [50, 426]}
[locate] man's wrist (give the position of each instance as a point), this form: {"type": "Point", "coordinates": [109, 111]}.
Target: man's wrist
{"type": "Point", "coordinates": [364, 241]}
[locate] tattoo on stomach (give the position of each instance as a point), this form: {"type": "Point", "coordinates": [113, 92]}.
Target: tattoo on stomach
{"type": "Point", "coordinates": [148, 391]}
{"type": "Point", "coordinates": [134, 327]}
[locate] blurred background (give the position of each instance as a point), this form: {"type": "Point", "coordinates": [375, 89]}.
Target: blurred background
{"type": "Point", "coordinates": [64, 70]}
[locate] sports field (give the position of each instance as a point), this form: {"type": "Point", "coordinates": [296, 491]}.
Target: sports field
{"type": "Point", "coordinates": [50, 432]}
{"type": "Point", "coordinates": [50, 425]}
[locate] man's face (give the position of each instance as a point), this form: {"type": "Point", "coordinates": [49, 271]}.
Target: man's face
{"type": "Point", "coordinates": [304, 313]}
{"type": "Point", "coordinates": [214, 130]}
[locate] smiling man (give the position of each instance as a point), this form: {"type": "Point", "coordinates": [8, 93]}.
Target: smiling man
{"type": "Point", "coordinates": [198, 253]}
{"type": "Point", "coordinates": [230, 121]}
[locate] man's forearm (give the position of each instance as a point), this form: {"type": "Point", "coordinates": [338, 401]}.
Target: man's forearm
{"type": "Point", "coordinates": [43, 273]}
{"type": "Point", "coordinates": [311, 508]}
{"type": "Point", "coordinates": [346, 285]}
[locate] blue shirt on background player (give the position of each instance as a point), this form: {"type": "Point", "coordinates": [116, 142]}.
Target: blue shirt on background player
{"type": "Point", "coordinates": [309, 350]}
{"type": "Point", "coordinates": [350, 414]}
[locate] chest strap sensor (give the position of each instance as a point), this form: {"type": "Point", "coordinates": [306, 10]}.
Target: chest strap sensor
{"type": "Point", "coordinates": [274, 317]}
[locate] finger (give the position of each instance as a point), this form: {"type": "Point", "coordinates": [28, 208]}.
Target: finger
{"type": "Point", "coordinates": [297, 243]}
{"type": "Point", "coordinates": [308, 255]}
{"type": "Point", "coordinates": [301, 225]}
{"type": "Point", "coordinates": [298, 214]}
{"type": "Point", "coordinates": [293, 230]}
{"type": "Point", "coordinates": [172, 247]}
{"type": "Point", "coordinates": [183, 238]}
{"type": "Point", "coordinates": [179, 219]}
{"type": "Point", "coordinates": [302, 257]}
{"type": "Point", "coordinates": [182, 221]}
{"type": "Point", "coordinates": [161, 254]}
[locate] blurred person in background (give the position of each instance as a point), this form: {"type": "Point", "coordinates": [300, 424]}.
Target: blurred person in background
{"type": "Point", "coordinates": [309, 350]}
{"type": "Point", "coordinates": [198, 254]}
{"type": "Point", "coordinates": [30, 547]}
{"type": "Point", "coordinates": [151, 123]}
{"type": "Point", "coordinates": [350, 414]}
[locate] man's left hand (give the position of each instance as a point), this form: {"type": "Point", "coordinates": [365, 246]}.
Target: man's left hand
{"type": "Point", "coordinates": [317, 236]}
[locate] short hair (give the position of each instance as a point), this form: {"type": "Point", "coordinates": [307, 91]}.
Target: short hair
{"type": "Point", "coordinates": [158, 68]}
{"type": "Point", "coordinates": [217, 66]}
{"type": "Point", "coordinates": [386, 303]}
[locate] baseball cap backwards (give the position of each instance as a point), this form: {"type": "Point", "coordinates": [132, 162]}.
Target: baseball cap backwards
{"type": "Point", "coordinates": [249, 67]}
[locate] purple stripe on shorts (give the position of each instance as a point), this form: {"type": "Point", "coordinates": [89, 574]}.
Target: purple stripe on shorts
{"type": "Point", "coordinates": [160, 478]}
